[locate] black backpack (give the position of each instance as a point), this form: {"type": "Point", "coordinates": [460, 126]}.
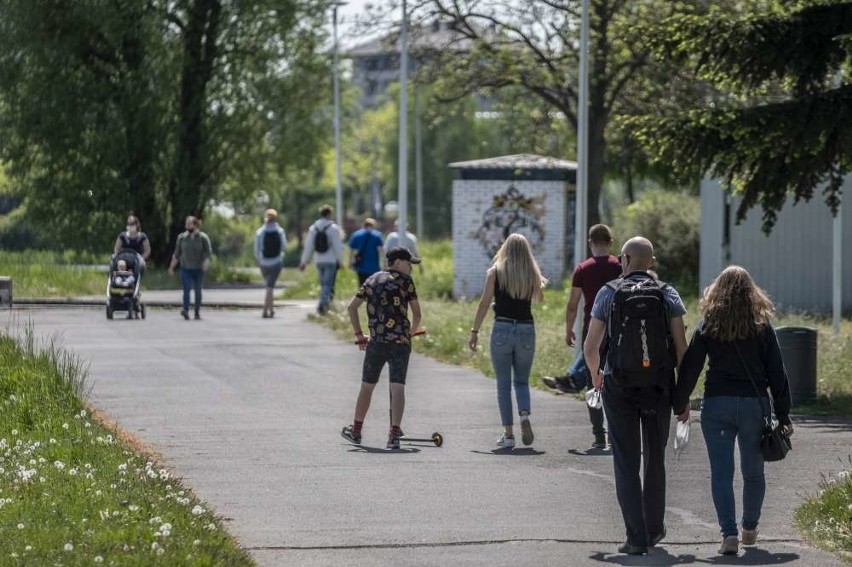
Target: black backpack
{"type": "Point", "coordinates": [271, 244]}
{"type": "Point", "coordinates": [321, 240]}
{"type": "Point", "coordinates": [639, 352]}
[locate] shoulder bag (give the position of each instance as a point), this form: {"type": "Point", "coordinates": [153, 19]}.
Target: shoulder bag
{"type": "Point", "coordinates": [773, 443]}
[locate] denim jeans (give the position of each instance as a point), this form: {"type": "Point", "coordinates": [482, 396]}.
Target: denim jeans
{"type": "Point", "coordinates": [512, 352]}
{"type": "Point", "coordinates": [725, 419]}
{"type": "Point", "coordinates": [581, 375]}
{"type": "Point", "coordinates": [192, 278]}
{"type": "Point", "coordinates": [327, 276]}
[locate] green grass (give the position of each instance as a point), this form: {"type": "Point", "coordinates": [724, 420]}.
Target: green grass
{"type": "Point", "coordinates": [826, 521]}
{"type": "Point", "coordinates": [448, 322]}
{"type": "Point", "coordinates": [75, 492]}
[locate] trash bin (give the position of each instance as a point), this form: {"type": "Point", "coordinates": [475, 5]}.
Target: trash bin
{"type": "Point", "coordinates": [799, 351]}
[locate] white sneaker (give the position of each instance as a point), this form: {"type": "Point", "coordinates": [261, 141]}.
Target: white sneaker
{"type": "Point", "coordinates": [526, 430]}
{"type": "Point", "coordinates": [730, 545]}
{"type": "Point", "coordinates": [749, 537]}
{"type": "Point", "coordinates": [506, 441]}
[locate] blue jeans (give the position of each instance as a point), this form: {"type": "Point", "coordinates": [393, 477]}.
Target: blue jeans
{"type": "Point", "coordinates": [512, 352]}
{"type": "Point", "coordinates": [723, 420]}
{"type": "Point", "coordinates": [327, 276]}
{"type": "Point", "coordinates": [192, 278]}
{"type": "Point", "coordinates": [579, 370]}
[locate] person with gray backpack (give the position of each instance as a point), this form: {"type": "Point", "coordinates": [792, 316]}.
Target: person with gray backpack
{"type": "Point", "coordinates": [641, 318]}
{"type": "Point", "coordinates": [325, 244]}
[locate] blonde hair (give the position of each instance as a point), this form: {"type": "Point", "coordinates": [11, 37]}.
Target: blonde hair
{"type": "Point", "coordinates": [733, 307]}
{"type": "Point", "coordinates": [516, 268]}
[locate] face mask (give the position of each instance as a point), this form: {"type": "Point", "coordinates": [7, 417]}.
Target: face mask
{"type": "Point", "coordinates": [132, 229]}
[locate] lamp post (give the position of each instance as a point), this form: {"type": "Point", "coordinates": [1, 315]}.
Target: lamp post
{"type": "Point", "coordinates": [403, 124]}
{"type": "Point", "coordinates": [582, 191]}
{"type": "Point", "coordinates": [338, 190]}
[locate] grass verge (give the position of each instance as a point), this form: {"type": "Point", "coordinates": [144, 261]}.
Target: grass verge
{"type": "Point", "coordinates": [826, 520]}
{"type": "Point", "coordinates": [72, 489]}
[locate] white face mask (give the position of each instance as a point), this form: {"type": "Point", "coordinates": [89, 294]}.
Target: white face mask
{"type": "Point", "coordinates": [132, 229]}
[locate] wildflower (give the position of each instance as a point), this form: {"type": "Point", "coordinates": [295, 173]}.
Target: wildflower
{"type": "Point", "coordinates": [59, 465]}
{"type": "Point", "coordinates": [161, 551]}
{"type": "Point", "coordinates": [28, 548]}
{"type": "Point", "coordinates": [20, 526]}
{"type": "Point", "coordinates": [154, 546]}
{"type": "Point", "coordinates": [197, 510]}
{"type": "Point", "coordinates": [13, 398]}
{"type": "Point", "coordinates": [133, 507]}
{"type": "Point", "coordinates": [196, 542]}
{"type": "Point", "coordinates": [52, 441]}
{"type": "Point", "coordinates": [98, 559]}
{"type": "Point", "coordinates": [842, 475]}
{"type": "Point", "coordinates": [82, 413]}
{"type": "Point", "coordinates": [122, 467]}
{"type": "Point", "coordinates": [210, 527]}
{"type": "Point", "coordinates": [69, 547]}
{"type": "Point", "coordinates": [65, 426]}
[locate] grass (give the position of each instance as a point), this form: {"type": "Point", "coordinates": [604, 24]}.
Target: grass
{"type": "Point", "coordinates": [74, 491]}
{"type": "Point", "coordinates": [826, 521]}
{"type": "Point", "coordinates": [448, 322]}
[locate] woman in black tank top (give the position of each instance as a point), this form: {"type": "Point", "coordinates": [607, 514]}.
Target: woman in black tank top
{"type": "Point", "coordinates": [134, 239]}
{"type": "Point", "coordinates": [512, 282]}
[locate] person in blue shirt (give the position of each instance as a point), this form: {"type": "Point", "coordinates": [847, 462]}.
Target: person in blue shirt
{"type": "Point", "coordinates": [366, 247]}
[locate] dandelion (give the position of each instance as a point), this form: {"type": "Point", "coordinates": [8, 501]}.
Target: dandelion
{"type": "Point", "coordinates": [842, 475]}
{"type": "Point", "coordinates": [14, 432]}
{"type": "Point", "coordinates": [210, 527]}
{"type": "Point", "coordinates": [133, 507]}
{"type": "Point", "coordinates": [161, 551]}
{"type": "Point", "coordinates": [197, 510]}
{"type": "Point", "coordinates": [65, 426]}
{"type": "Point", "coordinates": [69, 547]}
{"type": "Point", "coordinates": [122, 467]}
{"type": "Point", "coordinates": [13, 398]}
{"type": "Point", "coordinates": [59, 465]}
{"type": "Point", "coordinates": [82, 413]}
{"type": "Point", "coordinates": [52, 441]}
{"type": "Point", "coordinates": [98, 559]}
{"type": "Point", "coordinates": [20, 526]}
{"type": "Point", "coordinates": [28, 548]}
{"type": "Point", "coordinates": [196, 542]}
{"type": "Point", "coordinates": [154, 546]}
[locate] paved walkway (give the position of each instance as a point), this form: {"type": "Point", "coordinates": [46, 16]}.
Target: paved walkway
{"type": "Point", "coordinates": [248, 411]}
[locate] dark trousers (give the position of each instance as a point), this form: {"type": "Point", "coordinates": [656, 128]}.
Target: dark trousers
{"type": "Point", "coordinates": [192, 279]}
{"type": "Point", "coordinates": [639, 421]}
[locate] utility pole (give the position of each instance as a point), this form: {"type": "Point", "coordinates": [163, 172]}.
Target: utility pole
{"type": "Point", "coordinates": [403, 122]}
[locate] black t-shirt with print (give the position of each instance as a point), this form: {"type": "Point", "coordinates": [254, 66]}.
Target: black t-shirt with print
{"type": "Point", "coordinates": [387, 294]}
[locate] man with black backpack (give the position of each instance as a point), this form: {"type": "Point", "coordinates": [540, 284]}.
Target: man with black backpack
{"type": "Point", "coordinates": [325, 243]}
{"type": "Point", "coordinates": [641, 319]}
{"type": "Point", "coordinates": [269, 245]}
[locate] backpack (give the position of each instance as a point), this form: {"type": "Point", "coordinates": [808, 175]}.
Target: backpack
{"type": "Point", "coordinates": [639, 350]}
{"type": "Point", "coordinates": [321, 240]}
{"type": "Point", "coordinates": [271, 244]}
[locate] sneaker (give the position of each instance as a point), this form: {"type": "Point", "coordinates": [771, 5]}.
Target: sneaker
{"type": "Point", "coordinates": [184, 314]}
{"type": "Point", "coordinates": [506, 441]}
{"type": "Point", "coordinates": [349, 434]}
{"type": "Point", "coordinates": [526, 430]}
{"type": "Point", "coordinates": [197, 315]}
{"type": "Point", "coordinates": [749, 537]}
{"type": "Point", "coordinates": [600, 443]}
{"type": "Point", "coordinates": [564, 384]}
{"type": "Point", "coordinates": [730, 545]}
{"type": "Point", "coordinates": [631, 549]}
{"type": "Point", "coordinates": [657, 538]}
{"type": "Point", "coordinates": [393, 441]}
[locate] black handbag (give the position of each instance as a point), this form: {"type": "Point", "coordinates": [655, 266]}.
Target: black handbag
{"type": "Point", "coordinates": [773, 443]}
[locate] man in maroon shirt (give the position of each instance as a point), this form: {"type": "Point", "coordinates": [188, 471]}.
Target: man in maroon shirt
{"type": "Point", "coordinates": [589, 277]}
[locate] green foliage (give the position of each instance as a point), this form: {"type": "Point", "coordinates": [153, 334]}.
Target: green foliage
{"type": "Point", "coordinates": [74, 490]}
{"type": "Point", "coordinates": [825, 519]}
{"type": "Point", "coordinates": [780, 126]}
{"type": "Point", "coordinates": [672, 222]}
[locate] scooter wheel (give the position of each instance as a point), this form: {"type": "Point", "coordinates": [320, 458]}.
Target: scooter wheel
{"type": "Point", "coordinates": [437, 439]}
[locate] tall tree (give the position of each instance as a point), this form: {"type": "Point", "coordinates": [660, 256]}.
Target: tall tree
{"type": "Point", "coordinates": [154, 106]}
{"type": "Point", "coordinates": [784, 125]}
{"type": "Point", "coordinates": [534, 45]}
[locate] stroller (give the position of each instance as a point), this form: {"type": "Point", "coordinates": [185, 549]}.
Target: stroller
{"type": "Point", "coordinates": [123, 285]}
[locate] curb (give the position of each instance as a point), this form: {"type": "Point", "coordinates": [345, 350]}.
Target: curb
{"type": "Point", "coordinates": [85, 302]}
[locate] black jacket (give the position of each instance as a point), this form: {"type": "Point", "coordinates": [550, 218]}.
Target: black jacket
{"type": "Point", "coordinates": [725, 373]}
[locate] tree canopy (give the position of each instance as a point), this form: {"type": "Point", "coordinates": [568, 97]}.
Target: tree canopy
{"type": "Point", "coordinates": [783, 123]}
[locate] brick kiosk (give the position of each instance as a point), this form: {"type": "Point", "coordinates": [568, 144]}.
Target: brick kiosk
{"type": "Point", "coordinates": [492, 198]}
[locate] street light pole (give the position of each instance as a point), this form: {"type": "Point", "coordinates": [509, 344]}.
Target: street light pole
{"type": "Point", "coordinates": [582, 190]}
{"type": "Point", "coordinates": [338, 191]}
{"type": "Point", "coordinates": [403, 124]}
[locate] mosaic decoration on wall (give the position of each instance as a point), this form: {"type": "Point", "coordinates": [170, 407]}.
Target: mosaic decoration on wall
{"type": "Point", "coordinates": [511, 212]}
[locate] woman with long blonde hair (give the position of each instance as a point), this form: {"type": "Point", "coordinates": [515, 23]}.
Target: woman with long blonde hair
{"type": "Point", "coordinates": [512, 282]}
{"type": "Point", "coordinates": [736, 335]}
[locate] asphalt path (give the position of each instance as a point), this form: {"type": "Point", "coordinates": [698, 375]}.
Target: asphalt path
{"type": "Point", "coordinates": [248, 412]}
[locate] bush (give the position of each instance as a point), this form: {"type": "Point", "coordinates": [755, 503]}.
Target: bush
{"type": "Point", "coordinates": [672, 222]}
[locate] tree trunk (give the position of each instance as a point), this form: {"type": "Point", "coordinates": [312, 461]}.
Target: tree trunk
{"type": "Point", "coordinates": [191, 172]}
